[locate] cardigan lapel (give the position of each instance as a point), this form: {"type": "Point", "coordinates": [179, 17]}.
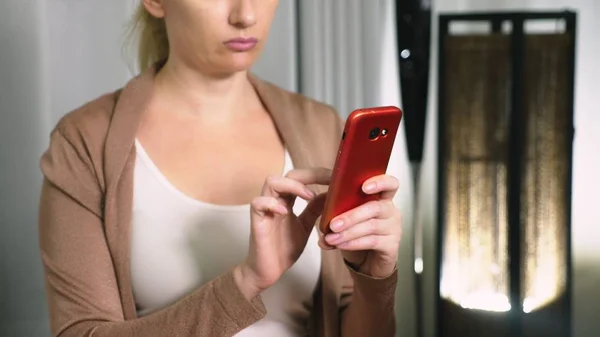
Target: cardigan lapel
{"type": "Point", "coordinates": [119, 159]}
{"type": "Point", "coordinates": [285, 114]}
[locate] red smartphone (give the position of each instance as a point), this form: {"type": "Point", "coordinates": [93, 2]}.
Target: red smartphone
{"type": "Point", "coordinates": [364, 152]}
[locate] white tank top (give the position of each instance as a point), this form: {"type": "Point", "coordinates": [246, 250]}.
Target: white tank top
{"type": "Point", "coordinates": [179, 243]}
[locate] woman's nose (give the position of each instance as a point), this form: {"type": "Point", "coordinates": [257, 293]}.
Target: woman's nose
{"type": "Point", "coordinates": [243, 14]}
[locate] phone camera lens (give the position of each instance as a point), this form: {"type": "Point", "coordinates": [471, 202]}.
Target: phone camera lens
{"type": "Point", "coordinates": [374, 133]}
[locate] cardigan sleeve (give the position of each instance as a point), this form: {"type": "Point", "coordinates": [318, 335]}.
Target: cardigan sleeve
{"type": "Point", "coordinates": [367, 305]}
{"type": "Point", "coordinates": [81, 283]}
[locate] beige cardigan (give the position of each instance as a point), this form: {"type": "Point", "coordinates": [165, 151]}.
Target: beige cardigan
{"type": "Point", "coordinates": [84, 226]}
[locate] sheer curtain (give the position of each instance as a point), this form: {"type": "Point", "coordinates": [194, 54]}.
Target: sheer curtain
{"type": "Point", "coordinates": [23, 125]}
{"type": "Point", "coordinates": [348, 59]}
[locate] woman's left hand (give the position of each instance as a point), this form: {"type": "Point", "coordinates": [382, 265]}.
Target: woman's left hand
{"type": "Point", "coordinates": [369, 235]}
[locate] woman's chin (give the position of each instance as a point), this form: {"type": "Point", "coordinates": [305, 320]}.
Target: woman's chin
{"type": "Point", "coordinates": [241, 62]}
{"type": "Point", "coordinates": [227, 66]}
{"type": "Point", "coordinates": [230, 68]}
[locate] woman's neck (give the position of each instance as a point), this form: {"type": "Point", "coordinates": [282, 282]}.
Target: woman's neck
{"type": "Point", "coordinates": [188, 91]}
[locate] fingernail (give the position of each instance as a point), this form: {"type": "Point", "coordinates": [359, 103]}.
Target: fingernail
{"type": "Point", "coordinates": [325, 246]}
{"type": "Point", "coordinates": [336, 225]}
{"type": "Point", "coordinates": [332, 238]}
{"type": "Point", "coordinates": [282, 209]}
{"type": "Point", "coordinates": [311, 193]}
{"type": "Point", "coordinates": [370, 187]}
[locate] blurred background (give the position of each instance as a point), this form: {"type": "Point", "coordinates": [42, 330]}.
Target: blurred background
{"type": "Point", "coordinates": [56, 55]}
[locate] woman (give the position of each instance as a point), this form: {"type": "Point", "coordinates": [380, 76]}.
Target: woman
{"type": "Point", "coordinates": [169, 206]}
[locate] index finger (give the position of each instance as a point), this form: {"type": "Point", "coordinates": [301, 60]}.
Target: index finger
{"type": "Point", "coordinates": [318, 176]}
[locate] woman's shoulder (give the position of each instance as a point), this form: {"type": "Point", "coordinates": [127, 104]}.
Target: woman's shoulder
{"type": "Point", "coordinates": [318, 122]}
{"type": "Point", "coordinates": [75, 149]}
{"type": "Point", "coordinates": [301, 107]}
{"type": "Point", "coordinates": [89, 121]}
{"type": "Point", "coordinates": [307, 124]}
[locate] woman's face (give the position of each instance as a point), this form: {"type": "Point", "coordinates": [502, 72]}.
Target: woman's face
{"type": "Point", "coordinates": [218, 37]}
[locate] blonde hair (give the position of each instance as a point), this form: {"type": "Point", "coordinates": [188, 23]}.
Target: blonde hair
{"type": "Point", "coordinates": [150, 34]}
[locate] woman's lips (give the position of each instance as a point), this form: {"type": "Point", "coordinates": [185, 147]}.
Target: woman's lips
{"type": "Point", "coordinates": [241, 44]}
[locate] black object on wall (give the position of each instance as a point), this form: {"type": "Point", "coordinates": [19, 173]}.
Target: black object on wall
{"type": "Point", "coordinates": [505, 134]}
{"type": "Point", "coordinates": [413, 19]}
{"type": "Point", "coordinates": [414, 37]}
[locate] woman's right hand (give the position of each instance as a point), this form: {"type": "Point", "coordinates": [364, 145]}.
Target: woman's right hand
{"type": "Point", "coordinates": [278, 236]}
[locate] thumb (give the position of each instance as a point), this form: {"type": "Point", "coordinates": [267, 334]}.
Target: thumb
{"type": "Point", "coordinates": [312, 211]}
{"type": "Point", "coordinates": [355, 259]}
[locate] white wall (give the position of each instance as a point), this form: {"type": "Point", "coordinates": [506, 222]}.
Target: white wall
{"type": "Point", "coordinates": [83, 51]}
{"type": "Point", "coordinates": [279, 62]}
{"type": "Point", "coordinates": [586, 181]}
{"type": "Point", "coordinates": [22, 125]}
